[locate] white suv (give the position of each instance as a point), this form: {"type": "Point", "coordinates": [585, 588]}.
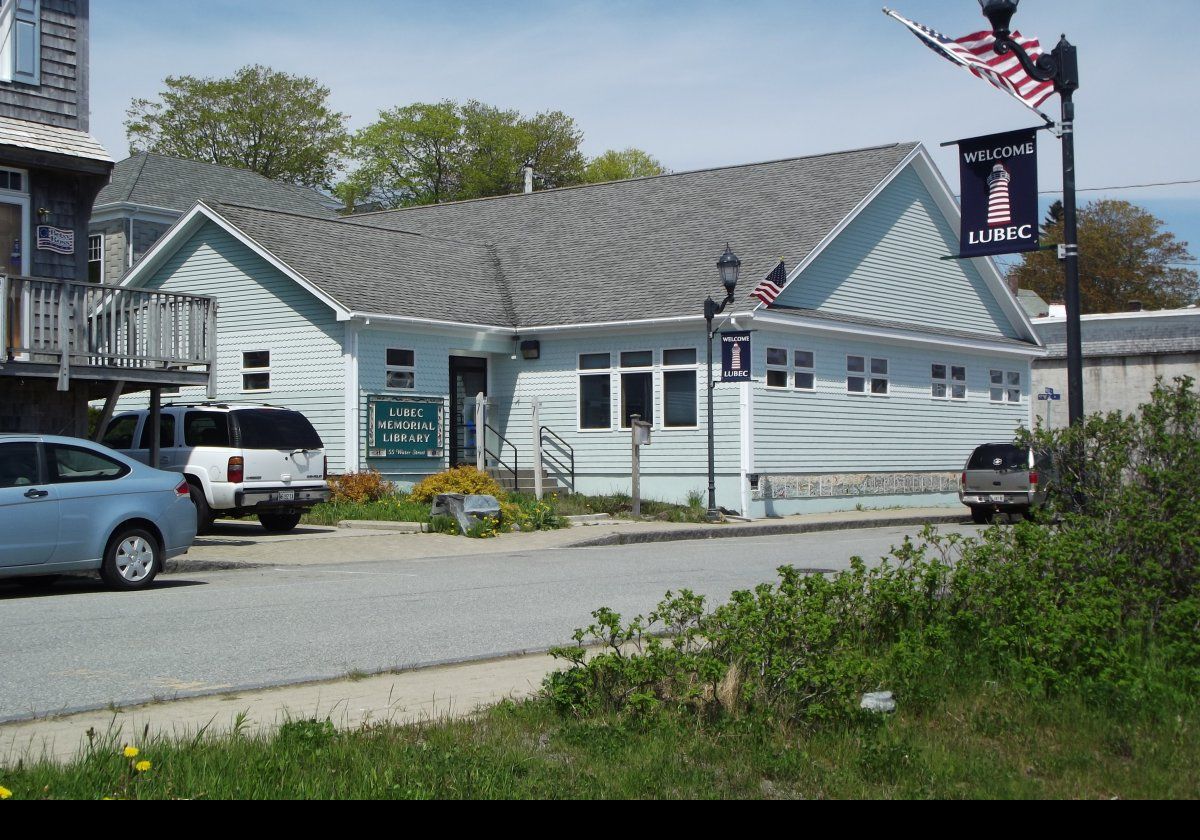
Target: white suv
{"type": "Point", "coordinates": [240, 460]}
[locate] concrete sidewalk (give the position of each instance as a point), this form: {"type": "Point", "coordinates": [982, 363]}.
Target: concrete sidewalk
{"type": "Point", "coordinates": [416, 696]}
{"type": "Point", "coordinates": [245, 545]}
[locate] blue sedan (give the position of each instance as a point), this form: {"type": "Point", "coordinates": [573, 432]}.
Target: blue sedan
{"type": "Point", "coordinates": [70, 505]}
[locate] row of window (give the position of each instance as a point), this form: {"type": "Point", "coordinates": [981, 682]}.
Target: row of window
{"type": "Point", "coordinates": [635, 372]}
{"type": "Point", "coordinates": [870, 375]}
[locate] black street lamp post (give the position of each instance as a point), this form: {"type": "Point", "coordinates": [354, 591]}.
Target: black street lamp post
{"type": "Point", "coordinates": [1061, 67]}
{"type": "Point", "coordinates": [728, 265]}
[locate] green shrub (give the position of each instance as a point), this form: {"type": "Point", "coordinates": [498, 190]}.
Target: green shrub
{"type": "Point", "coordinates": [467, 480]}
{"type": "Point", "coordinates": [1098, 598]}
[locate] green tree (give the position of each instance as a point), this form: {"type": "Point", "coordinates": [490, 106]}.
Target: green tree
{"type": "Point", "coordinates": [1124, 255]}
{"type": "Point", "coordinates": [616, 165]}
{"type": "Point", "coordinates": [410, 155]}
{"type": "Point", "coordinates": [425, 154]}
{"type": "Point", "coordinates": [278, 125]}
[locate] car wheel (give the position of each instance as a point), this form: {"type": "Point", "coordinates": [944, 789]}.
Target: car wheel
{"type": "Point", "coordinates": [131, 560]}
{"type": "Point", "coordinates": [981, 516]}
{"type": "Point", "coordinates": [204, 514]}
{"type": "Point", "coordinates": [278, 523]}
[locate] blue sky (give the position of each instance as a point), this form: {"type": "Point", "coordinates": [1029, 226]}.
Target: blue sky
{"type": "Point", "coordinates": [700, 84]}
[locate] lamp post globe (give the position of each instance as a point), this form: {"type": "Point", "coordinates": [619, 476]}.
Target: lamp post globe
{"type": "Point", "coordinates": [999, 13]}
{"type": "Point", "coordinates": [729, 266]}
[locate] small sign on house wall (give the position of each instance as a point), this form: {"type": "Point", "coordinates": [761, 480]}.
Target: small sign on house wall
{"type": "Point", "coordinates": [58, 240]}
{"type": "Point", "coordinates": [404, 427]}
{"type": "Point", "coordinates": [735, 356]}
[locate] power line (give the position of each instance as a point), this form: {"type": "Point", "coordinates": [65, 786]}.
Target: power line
{"type": "Point", "coordinates": [1121, 187]}
{"type": "Point", "coordinates": [1126, 186]}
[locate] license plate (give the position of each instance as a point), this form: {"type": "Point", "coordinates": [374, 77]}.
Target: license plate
{"type": "Point", "coordinates": [286, 496]}
{"type": "Point", "coordinates": [998, 497]}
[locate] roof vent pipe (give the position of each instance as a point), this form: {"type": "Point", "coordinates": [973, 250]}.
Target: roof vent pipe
{"type": "Point", "coordinates": [527, 171]}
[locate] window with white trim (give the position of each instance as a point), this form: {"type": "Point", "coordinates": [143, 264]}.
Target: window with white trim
{"type": "Point", "coordinates": [879, 377]}
{"type": "Point", "coordinates": [867, 375]}
{"type": "Point", "coordinates": [949, 382]}
{"type": "Point", "coordinates": [21, 41]}
{"type": "Point", "coordinates": [595, 391]}
{"type": "Point", "coordinates": [777, 367]}
{"type": "Point", "coordinates": [1005, 385]}
{"type": "Point", "coordinates": [637, 386]}
{"type": "Point", "coordinates": [856, 379]}
{"type": "Point", "coordinates": [96, 258]}
{"type": "Point", "coordinates": [680, 374]}
{"type": "Point", "coordinates": [256, 370]}
{"type": "Point", "coordinates": [400, 369]}
{"type": "Point", "coordinates": [804, 376]}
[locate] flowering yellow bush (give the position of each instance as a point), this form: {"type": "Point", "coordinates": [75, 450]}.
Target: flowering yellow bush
{"type": "Point", "coordinates": [466, 480]}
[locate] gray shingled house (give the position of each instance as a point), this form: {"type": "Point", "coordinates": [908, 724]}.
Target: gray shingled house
{"type": "Point", "coordinates": [149, 192]}
{"type": "Point", "coordinates": [63, 340]}
{"type": "Point", "coordinates": [872, 376]}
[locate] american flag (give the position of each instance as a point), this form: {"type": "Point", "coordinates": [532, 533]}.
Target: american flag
{"type": "Point", "coordinates": [976, 52]}
{"type": "Point", "coordinates": [771, 286]}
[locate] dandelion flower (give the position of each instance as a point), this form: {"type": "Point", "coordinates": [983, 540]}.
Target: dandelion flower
{"type": "Point", "coordinates": [131, 752]}
{"type": "Point", "coordinates": [142, 766]}
{"type": "Point", "coordinates": [5, 793]}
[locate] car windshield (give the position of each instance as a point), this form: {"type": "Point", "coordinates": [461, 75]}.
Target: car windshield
{"type": "Point", "coordinates": [999, 456]}
{"type": "Point", "coordinates": [273, 428]}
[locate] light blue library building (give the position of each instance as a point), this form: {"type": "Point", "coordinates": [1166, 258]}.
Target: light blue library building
{"type": "Point", "coordinates": [875, 372]}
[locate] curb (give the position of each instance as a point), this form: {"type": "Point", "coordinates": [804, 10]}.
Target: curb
{"type": "Point", "coordinates": [385, 525]}
{"type": "Point", "coordinates": [589, 518]}
{"type": "Point", "coordinates": [714, 532]}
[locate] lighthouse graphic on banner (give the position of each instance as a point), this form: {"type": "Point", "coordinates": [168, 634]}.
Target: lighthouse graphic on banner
{"type": "Point", "coordinates": [999, 207]}
{"type": "Point", "coordinates": [999, 194]}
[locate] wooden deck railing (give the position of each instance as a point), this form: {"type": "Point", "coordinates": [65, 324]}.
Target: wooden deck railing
{"type": "Point", "coordinates": [70, 323]}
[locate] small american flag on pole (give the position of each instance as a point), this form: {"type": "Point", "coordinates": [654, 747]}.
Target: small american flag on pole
{"type": "Point", "coordinates": [771, 286]}
{"type": "Point", "coordinates": [976, 52]}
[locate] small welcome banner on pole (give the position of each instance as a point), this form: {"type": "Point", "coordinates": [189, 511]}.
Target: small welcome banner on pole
{"type": "Point", "coordinates": [999, 193]}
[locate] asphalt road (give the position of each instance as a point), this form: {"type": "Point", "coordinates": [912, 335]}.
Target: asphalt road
{"type": "Point", "coordinates": [79, 646]}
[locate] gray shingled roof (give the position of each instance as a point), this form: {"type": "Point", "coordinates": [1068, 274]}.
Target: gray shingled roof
{"type": "Point", "coordinates": [375, 270]}
{"type": "Point", "coordinates": [152, 180]}
{"type": "Point", "coordinates": [1134, 335]}
{"type": "Point", "coordinates": [648, 247]}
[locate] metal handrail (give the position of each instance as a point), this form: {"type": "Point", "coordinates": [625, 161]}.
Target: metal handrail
{"type": "Point", "coordinates": [549, 436]}
{"type": "Point", "coordinates": [496, 457]}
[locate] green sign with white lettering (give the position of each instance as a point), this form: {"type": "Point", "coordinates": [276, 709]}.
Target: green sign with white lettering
{"type": "Point", "coordinates": [404, 427]}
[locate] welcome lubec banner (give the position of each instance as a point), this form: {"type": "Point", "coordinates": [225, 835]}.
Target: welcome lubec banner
{"type": "Point", "coordinates": [999, 193]}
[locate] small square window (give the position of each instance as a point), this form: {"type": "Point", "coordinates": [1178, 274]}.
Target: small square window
{"type": "Point", "coordinates": [938, 372]}
{"type": "Point", "coordinates": [879, 366]}
{"type": "Point", "coordinates": [679, 357]}
{"type": "Point", "coordinates": [400, 358]}
{"type": "Point", "coordinates": [256, 359]}
{"type": "Point", "coordinates": [958, 373]}
{"type": "Point", "coordinates": [958, 392]}
{"type": "Point", "coordinates": [637, 358]}
{"type": "Point", "coordinates": [856, 384]}
{"type": "Point", "coordinates": [805, 380]}
{"type": "Point", "coordinates": [256, 381]}
{"type": "Point", "coordinates": [939, 390]}
{"type": "Point", "coordinates": [400, 371]}
{"type": "Point", "coordinates": [803, 359]}
{"type": "Point", "coordinates": [776, 356]}
{"type": "Point", "coordinates": [594, 361]}
{"type": "Point", "coordinates": [856, 364]}
{"type": "Point", "coordinates": [777, 378]}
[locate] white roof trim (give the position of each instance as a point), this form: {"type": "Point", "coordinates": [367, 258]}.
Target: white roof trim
{"type": "Point", "coordinates": [189, 222]}
{"type": "Point", "coordinates": [895, 334]}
